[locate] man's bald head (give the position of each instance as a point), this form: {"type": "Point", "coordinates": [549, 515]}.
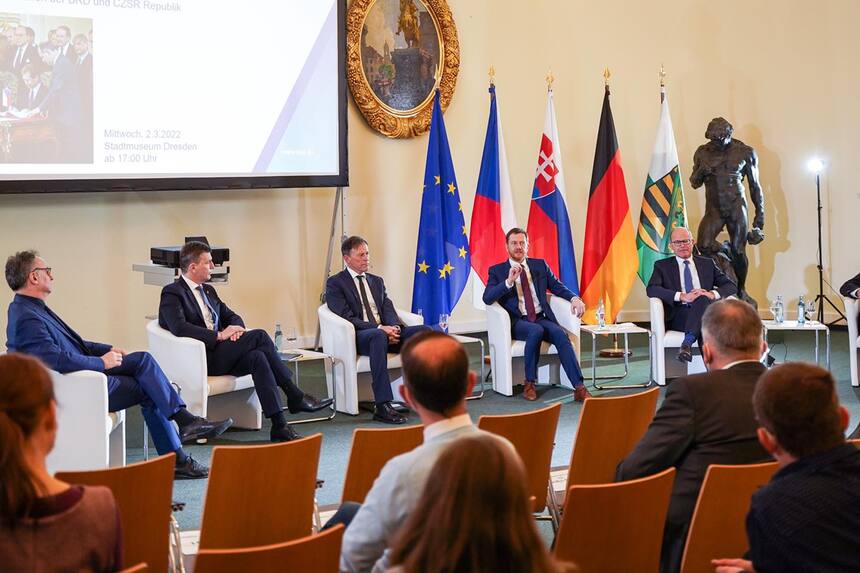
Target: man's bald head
{"type": "Point", "coordinates": [733, 330]}
{"type": "Point", "coordinates": [435, 370]}
{"type": "Point", "coordinates": [681, 233]}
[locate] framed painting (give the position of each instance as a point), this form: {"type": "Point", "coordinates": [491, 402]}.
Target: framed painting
{"type": "Point", "coordinates": [398, 52]}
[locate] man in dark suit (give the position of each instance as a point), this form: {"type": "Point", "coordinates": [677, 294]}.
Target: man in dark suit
{"type": "Point", "coordinates": [64, 107]}
{"type": "Point", "coordinates": [133, 378]}
{"type": "Point", "coordinates": [687, 284]}
{"type": "Point", "coordinates": [191, 308]}
{"type": "Point", "coordinates": [360, 297]}
{"type": "Point", "coordinates": [704, 419]}
{"type": "Point", "coordinates": [33, 93]}
{"type": "Point", "coordinates": [520, 285]}
{"type": "Point", "coordinates": [25, 51]}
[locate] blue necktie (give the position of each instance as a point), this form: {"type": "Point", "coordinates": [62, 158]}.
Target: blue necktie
{"type": "Point", "coordinates": [210, 307]}
{"type": "Point", "coordinates": [688, 277]}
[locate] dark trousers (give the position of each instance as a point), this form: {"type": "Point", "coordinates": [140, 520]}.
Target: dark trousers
{"type": "Point", "coordinates": [254, 353]}
{"type": "Point", "coordinates": [544, 329]}
{"type": "Point", "coordinates": [140, 380]}
{"type": "Point", "coordinates": [373, 343]}
{"type": "Point", "coordinates": [688, 319]}
{"type": "Point", "coordinates": [344, 514]}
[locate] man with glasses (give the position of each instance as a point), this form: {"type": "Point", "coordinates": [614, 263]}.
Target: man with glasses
{"type": "Point", "coordinates": [687, 284]}
{"type": "Point", "coordinates": [132, 378]}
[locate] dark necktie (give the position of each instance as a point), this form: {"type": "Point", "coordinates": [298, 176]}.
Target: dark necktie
{"type": "Point", "coordinates": [365, 301]}
{"type": "Point", "coordinates": [527, 296]}
{"type": "Point", "coordinates": [210, 307]}
{"type": "Point", "coordinates": [19, 57]}
{"type": "Point", "coordinates": [688, 277]}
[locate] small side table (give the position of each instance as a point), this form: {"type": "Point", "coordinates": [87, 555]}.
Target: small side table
{"type": "Point", "coordinates": [625, 328]}
{"type": "Point", "coordinates": [808, 326]}
{"type": "Point", "coordinates": [469, 340]}
{"type": "Point", "coordinates": [297, 355]}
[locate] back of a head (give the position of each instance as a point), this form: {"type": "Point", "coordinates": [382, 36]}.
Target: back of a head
{"type": "Point", "coordinates": [26, 391]}
{"type": "Point", "coordinates": [435, 370]}
{"type": "Point", "coordinates": [190, 252]}
{"type": "Point", "coordinates": [18, 267]}
{"type": "Point", "coordinates": [477, 501]}
{"type": "Point", "coordinates": [732, 328]}
{"type": "Point", "coordinates": [796, 402]}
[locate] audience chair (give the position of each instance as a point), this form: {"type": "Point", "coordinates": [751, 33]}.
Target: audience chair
{"type": "Point", "coordinates": [139, 568]}
{"type": "Point", "coordinates": [852, 310]}
{"type": "Point", "coordinates": [338, 341]}
{"type": "Point", "coordinates": [371, 450]}
{"type": "Point", "coordinates": [215, 397]}
{"type": "Point", "coordinates": [88, 436]}
{"type": "Point", "coordinates": [633, 512]}
{"type": "Point", "coordinates": [506, 354]}
{"type": "Point", "coordinates": [259, 495]}
{"type": "Point", "coordinates": [718, 528]}
{"type": "Point", "coordinates": [533, 436]}
{"type": "Point", "coordinates": [609, 429]}
{"type": "Point", "coordinates": [319, 553]}
{"type": "Point", "coordinates": [666, 344]}
{"type": "Point", "coordinates": [143, 494]}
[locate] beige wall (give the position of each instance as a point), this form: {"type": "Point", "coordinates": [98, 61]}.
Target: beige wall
{"type": "Point", "coordinates": [785, 73]}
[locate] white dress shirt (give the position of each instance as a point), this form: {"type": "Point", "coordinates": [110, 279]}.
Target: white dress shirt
{"type": "Point", "coordinates": [372, 302]}
{"type": "Point", "coordinates": [198, 296]}
{"type": "Point", "coordinates": [696, 282]}
{"type": "Point", "coordinates": [521, 302]}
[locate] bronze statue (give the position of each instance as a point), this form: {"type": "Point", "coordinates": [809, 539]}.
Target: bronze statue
{"type": "Point", "coordinates": [408, 23]}
{"type": "Point", "coordinates": [721, 165]}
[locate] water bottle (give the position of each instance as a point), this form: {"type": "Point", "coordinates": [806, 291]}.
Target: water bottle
{"type": "Point", "coordinates": [279, 337]}
{"type": "Point", "coordinates": [601, 314]}
{"type": "Point", "coordinates": [778, 310]}
{"type": "Point", "coordinates": [801, 311]}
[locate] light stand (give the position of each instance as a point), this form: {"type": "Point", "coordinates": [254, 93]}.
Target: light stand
{"type": "Point", "coordinates": [815, 165]}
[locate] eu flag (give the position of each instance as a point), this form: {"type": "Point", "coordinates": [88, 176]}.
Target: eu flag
{"type": "Point", "coordinates": [442, 260]}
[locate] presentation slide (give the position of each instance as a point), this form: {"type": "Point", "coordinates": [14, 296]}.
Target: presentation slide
{"type": "Point", "coordinates": [137, 89]}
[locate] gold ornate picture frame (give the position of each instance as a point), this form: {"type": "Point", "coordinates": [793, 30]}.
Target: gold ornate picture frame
{"type": "Point", "coordinates": [397, 53]}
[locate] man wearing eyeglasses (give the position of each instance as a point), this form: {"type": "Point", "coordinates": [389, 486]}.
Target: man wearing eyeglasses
{"type": "Point", "coordinates": [687, 284]}
{"type": "Point", "coordinates": [132, 378]}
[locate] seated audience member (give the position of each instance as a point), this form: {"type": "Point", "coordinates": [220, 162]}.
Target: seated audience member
{"type": "Point", "coordinates": [519, 285]}
{"type": "Point", "coordinates": [808, 517]}
{"type": "Point", "coordinates": [46, 524]}
{"type": "Point", "coordinates": [132, 378]}
{"type": "Point", "coordinates": [191, 308]}
{"type": "Point", "coordinates": [851, 289]}
{"type": "Point", "coordinates": [474, 515]}
{"type": "Point", "coordinates": [436, 381]}
{"type": "Point", "coordinates": [704, 419]}
{"type": "Point", "coordinates": [360, 297]}
{"type": "Point", "coordinates": [687, 284]}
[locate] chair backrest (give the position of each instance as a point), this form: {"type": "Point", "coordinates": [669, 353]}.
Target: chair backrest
{"type": "Point", "coordinates": [259, 495]}
{"type": "Point", "coordinates": [318, 553]}
{"type": "Point", "coordinates": [718, 527]}
{"type": "Point", "coordinates": [632, 511]}
{"type": "Point", "coordinates": [533, 436]}
{"type": "Point", "coordinates": [139, 568]}
{"type": "Point", "coordinates": [609, 428]}
{"type": "Point", "coordinates": [371, 450]}
{"type": "Point", "coordinates": [143, 493]}
{"type": "Point", "coordinates": [856, 442]}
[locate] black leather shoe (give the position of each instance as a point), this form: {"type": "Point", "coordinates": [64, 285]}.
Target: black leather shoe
{"type": "Point", "coordinates": [400, 407]}
{"type": "Point", "coordinates": [685, 354]}
{"type": "Point", "coordinates": [201, 428]}
{"type": "Point", "coordinates": [285, 434]}
{"type": "Point", "coordinates": [386, 414]}
{"type": "Point", "coordinates": [309, 404]}
{"type": "Point", "coordinates": [191, 469]}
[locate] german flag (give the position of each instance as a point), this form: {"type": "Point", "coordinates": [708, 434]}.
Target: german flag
{"type": "Point", "coordinates": [610, 260]}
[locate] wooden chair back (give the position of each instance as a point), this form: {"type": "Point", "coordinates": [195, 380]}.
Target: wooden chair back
{"type": "Point", "coordinates": [319, 553]}
{"type": "Point", "coordinates": [533, 436]}
{"type": "Point", "coordinates": [633, 511]}
{"type": "Point", "coordinates": [609, 429]}
{"type": "Point", "coordinates": [139, 568]}
{"type": "Point", "coordinates": [143, 493]}
{"type": "Point", "coordinates": [718, 527]}
{"type": "Point", "coordinates": [371, 450]}
{"type": "Point", "coordinates": [856, 442]}
{"type": "Point", "coordinates": [260, 495]}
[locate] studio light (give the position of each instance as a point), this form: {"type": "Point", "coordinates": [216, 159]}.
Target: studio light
{"type": "Point", "coordinates": [815, 165]}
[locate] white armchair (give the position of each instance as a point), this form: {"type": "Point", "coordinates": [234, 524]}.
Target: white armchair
{"type": "Point", "coordinates": [665, 342]}
{"type": "Point", "coordinates": [852, 309]}
{"type": "Point", "coordinates": [88, 436]}
{"type": "Point", "coordinates": [506, 354]}
{"type": "Point", "coordinates": [215, 397]}
{"type": "Point", "coordinates": [338, 341]}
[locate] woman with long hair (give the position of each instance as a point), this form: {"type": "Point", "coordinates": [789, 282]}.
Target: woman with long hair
{"type": "Point", "coordinates": [474, 516]}
{"type": "Point", "coordinates": [46, 524]}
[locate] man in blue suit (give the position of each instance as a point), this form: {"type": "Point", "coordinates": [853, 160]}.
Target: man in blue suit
{"type": "Point", "coordinates": [360, 297]}
{"type": "Point", "coordinates": [133, 378]}
{"type": "Point", "coordinates": [520, 285]}
{"type": "Point", "coordinates": [687, 284]}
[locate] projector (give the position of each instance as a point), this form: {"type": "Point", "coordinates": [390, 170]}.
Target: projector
{"type": "Point", "coordinates": [169, 256]}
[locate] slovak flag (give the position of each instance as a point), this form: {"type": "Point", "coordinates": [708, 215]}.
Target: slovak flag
{"type": "Point", "coordinates": [549, 225]}
{"type": "Point", "coordinates": [493, 210]}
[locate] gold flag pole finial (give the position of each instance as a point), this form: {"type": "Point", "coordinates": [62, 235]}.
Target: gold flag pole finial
{"type": "Point", "coordinates": [549, 80]}
{"type": "Point", "coordinates": [662, 76]}
{"type": "Point", "coordinates": [492, 74]}
{"type": "Point", "coordinates": [606, 75]}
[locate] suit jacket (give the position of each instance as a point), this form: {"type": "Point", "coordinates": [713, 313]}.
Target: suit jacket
{"type": "Point", "coordinates": [179, 313]}
{"type": "Point", "coordinates": [850, 286]}
{"type": "Point", "coordinates": [543, 278]}
{"type": "Point", "coordinates": [64, 102]}
{"type": "Point", "coordinates": [704, 419]}
{"type": "Point", "coordinates": [343, 299]}
{"type": "Point", "coordinates": [35, 330]}
{"type": "Point", "coordinates": [25, 102]}
{"type": "Point", "coordinates": [31, 57]}
{"type": "Point", "coordinates": [666, 281]}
